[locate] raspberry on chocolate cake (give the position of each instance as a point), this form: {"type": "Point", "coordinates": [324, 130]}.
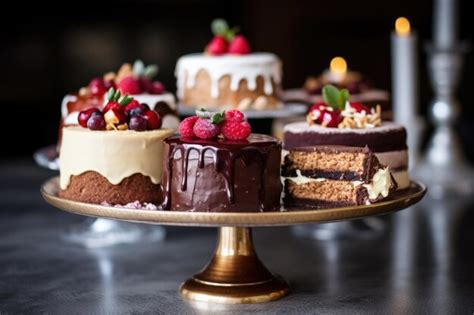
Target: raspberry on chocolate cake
{"type": "Point", "coordinates": [228, 74]}
{"type": "Point", "coordinates": [217, 165]}
{"type": "Point", "coordinates": [113, 156]}
{"type": "Point", "coordinates": [338, 121]}
{"type": "Point", "coordinates": [334, 176]}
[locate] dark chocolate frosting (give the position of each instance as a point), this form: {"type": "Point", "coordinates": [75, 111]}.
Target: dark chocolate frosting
{"type": "Point", "coordinates": [221, 175]}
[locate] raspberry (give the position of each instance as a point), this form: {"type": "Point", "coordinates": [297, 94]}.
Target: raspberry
{"type": "Point", "coordinates": [233, 130]}
{"type": "Point", "coordinates": [234, 115]}
{"type": "Point", "coordinates": [239, 46]}
{"type": "Point", "coordinates": [186, 126]}
{"type": "Point", "coordinates": [129, 85]}
{"type": "Point", "coordinates": [217, 46]}
{"type": "Point", "coordinates": [205, 129]}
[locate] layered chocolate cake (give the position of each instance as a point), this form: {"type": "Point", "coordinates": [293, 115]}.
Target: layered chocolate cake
{"type": "Point", "coordinates": [334, 176]}
{"type": "Point", "coordinates": [356, 125]}
{"type": "Point", "coordinates": [229, 75]}
{"type": "Point", "coordinates": [217, 165]}
{"type": "Point", "coordinates": [135, 80]}
{"type": "Point", "coordinates": [114, 156]}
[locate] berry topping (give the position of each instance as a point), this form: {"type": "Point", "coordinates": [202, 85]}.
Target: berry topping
{"type": "Point", "coordinates": [217, 46]}
{"type": "Point", "coordinates": [225, 40]}
{"type": "Point", "coordinates": [239, 45]}
{"type": "Point", "coordinates": [153, 119]}
{"type": "Point", "coordinates": [205, 129]}
{"type": "Point", "coordinates": [112, 105]}
{"type": "Point", "coordinates": [85, 115]}
{"type": "Point", "coordinates": [234, 115]}
{"type": "Point", "coordinates": [359, 108]}
{"type": "Point", "coordinates": [138, 123]}
{"type": "Point", "coordinates": [187, 125]}
{"type": "Point", "coordinates": [132, 105]}
{"type": "Point", "coordinates": [97, 87]}
{"type": "Point", "coordinates": [96, 122]}
{"type": "Point", "coordinates": [233, 130]}
{"type": "Point", "coordinates": [331, 118]}
{"type": "Point", "coordinates": [135, 111]}
{"type": "Point", "coordinates": [152, 87]}
{"type": "Point", "coordinates": [130, 85]}
{"type": "Point", "coordinates": [115, 116]}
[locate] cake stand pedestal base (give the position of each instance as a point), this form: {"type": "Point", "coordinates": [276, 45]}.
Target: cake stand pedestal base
{"type": "Point", "coordinates": [234, 275]}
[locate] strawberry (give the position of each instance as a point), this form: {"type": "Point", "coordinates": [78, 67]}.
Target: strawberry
{"type": "Point", "coordinates": [97, 87]}
{"type": "Point", "coordinates": [217, 46]}
{"type": "Point", "coordinates": [187, 125]}
{"type": "Point", "coordinates": [322, 114]}
{"type": "Point", "coordinates": [239, 45]}
{"type": "Point", "coordinates": [234, 130]}
{"type": "Point", "coordinates": [112, 105]}
{"type": "Point", "coordinates": [130, 85]}
{"type": "Point", "coordinates": [234, 115]}
{"type": "Point", "coordinates": [359, 108]}
{"type": "Point", "coordinates": [153, 119]}
{"type": "Point", "coordinates": [331, 118]}
{"type": "Point", "coordinates": [133, 104]}
{"type": "Point", "coordinates": [205, 129]}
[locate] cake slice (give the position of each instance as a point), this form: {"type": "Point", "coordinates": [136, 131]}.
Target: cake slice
{"type": "Point", "coordinates": [334, 176]}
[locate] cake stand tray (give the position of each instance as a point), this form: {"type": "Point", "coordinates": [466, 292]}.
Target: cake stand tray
{"type": "Point", "coordinates": [234, 275]}
{"type": "Point", "coordinates": [290, 109]}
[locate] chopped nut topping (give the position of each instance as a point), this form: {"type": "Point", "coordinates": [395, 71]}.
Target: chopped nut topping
{"type": "Point", "coordinates": [360, 120]}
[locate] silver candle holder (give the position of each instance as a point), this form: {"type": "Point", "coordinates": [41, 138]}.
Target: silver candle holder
{"type": "Point", "coordinates": [443, 167]}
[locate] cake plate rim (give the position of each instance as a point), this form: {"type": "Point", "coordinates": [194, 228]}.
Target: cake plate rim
{"type": "Point", "coordinates": [285, 217]}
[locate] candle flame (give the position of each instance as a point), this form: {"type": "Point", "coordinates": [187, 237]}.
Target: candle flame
{"type": "Point", "coordinates": [402, 26]}
{"type": "Point", "coordinates": [338, 65]}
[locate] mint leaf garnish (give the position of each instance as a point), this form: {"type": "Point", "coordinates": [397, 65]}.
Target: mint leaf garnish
{"type": "Point", "coordinates": [217, 118]}
{"type": "Point", "coordinates": [110, 94]}
{"type": "Point", "coordinates": [219, 27]}
{"type": "Point", "coordinates": [138, 68]}
{"type": "Point", "coordinates": [334, 97]}
{"type": "Point", "coordinates": [125, 100]}
{"type": "Point", "coordinates": [150, 71]}
{"type": "Point", "coordinates": [203, 113]}
{"type": "Point", "coordinates": [117, 96]}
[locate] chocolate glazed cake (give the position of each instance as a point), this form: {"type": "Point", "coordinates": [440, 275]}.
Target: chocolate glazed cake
{"type": "Point", "coordinates": [334, 176]}
{"type": "Point", "coordinates": [222, 175]}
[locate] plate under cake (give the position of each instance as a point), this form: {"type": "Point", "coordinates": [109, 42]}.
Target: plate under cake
{"type": "Point", "coordinates": [220, 175]}
{"type": "Point", "coordinates": [334, 176]}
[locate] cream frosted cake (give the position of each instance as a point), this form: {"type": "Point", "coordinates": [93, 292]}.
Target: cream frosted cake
{"type": "Point", "coordinates": [113, 156]}
{"type": "Point", "coordinates": [229, 75]}
{"type": "Point", "coordinates": [135, 80]}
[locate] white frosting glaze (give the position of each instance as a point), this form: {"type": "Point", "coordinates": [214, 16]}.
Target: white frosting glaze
{"type": "Point", "coordinates": [303, 127]}
{"type": "Point", "coordinates": [243, 67]}
{"type": "Point", "coordinates": [66, 99]}
{"type": "Point", "coordinates": [380, 184]}
{"type": "Point", "coordinates": [300, 179]}
{"type": "Point", "coordinates": [71, 119]}
{"type": "Point", "coordinates": [113, 154]}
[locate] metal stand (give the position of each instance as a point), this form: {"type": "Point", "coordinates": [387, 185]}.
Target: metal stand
{"type": "Point", "coordinates": [444, 167]}
{"type": "Point", "coordinates": [234, 275]}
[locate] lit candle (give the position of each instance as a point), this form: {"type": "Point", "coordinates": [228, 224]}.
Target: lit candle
{"type": "Point", "coordinates": [337, 70]}
{"type": "Point", "coordinates": [404, 72]}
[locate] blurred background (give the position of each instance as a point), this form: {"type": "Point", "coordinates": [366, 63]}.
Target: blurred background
{"type": "Point", "coordinates": [44, 55]}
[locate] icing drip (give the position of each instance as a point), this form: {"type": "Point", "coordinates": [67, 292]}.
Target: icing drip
{"type": "Point", "coordinates": [188, 162]}
{"type": "Point", "coordinates": [246, 67]}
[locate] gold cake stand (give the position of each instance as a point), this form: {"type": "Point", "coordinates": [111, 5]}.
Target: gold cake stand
{"type": "Point", "coordinates": [234, 275]}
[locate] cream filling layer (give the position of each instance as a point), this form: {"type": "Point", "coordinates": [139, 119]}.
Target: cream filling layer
{"type": "Point", "coordinates": [113, 154]}
{"type": "Point", "coordinates": [380, 184]}
{"type": "Point", "coordinates": [300, 179]}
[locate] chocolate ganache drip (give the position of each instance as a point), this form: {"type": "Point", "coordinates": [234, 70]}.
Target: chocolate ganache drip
{"type": "Point", "coordinates": [222, 175]}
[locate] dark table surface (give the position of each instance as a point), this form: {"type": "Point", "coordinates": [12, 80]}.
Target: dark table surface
{"type": "Point", "coordinates": [421, 263]}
